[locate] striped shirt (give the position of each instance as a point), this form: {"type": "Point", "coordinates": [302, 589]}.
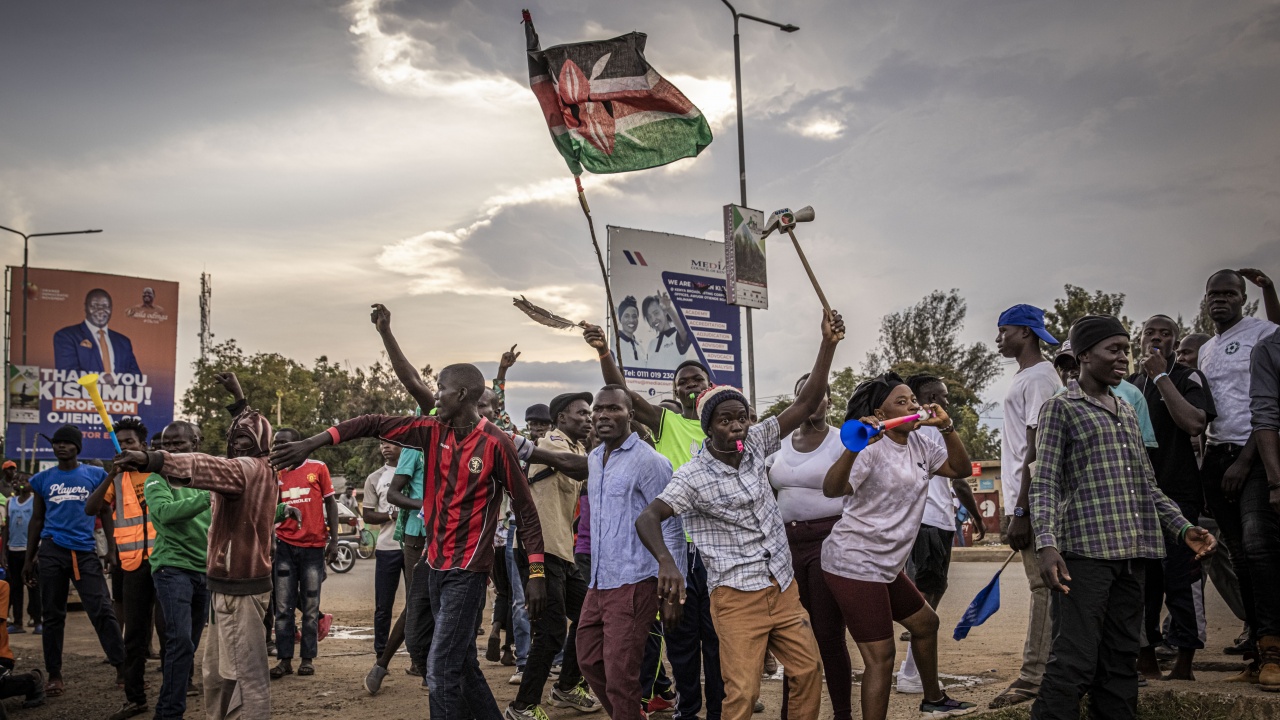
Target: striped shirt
{"type": "Point", "coordinates": [462, 483]}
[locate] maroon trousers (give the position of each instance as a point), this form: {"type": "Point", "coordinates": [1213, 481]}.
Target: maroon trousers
{"type": "Point", "coordinates": [805, 539]}
{"type": "Point", "coordinates": [618, 619]}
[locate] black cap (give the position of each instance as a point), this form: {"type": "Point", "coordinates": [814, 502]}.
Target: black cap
{"type": "Point", "coordinates": [1093, 329]}
{"type": "Point", "coordinates": [539, 413]}
{"type": "Point", "coordinates": [560, 402]}
{"type": "Point", "coordinates": [69, 434]}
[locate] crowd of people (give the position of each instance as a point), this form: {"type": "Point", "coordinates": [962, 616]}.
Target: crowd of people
{"type": "Point", "coordinates": [621, 536]}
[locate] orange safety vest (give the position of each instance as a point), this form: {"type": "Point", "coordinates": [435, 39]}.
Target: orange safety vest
{"type": "Point", "coordinates": [133, 531]}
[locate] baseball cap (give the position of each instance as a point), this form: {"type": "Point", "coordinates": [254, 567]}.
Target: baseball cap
{"type": "Point", "coordinates": [1027, 316]}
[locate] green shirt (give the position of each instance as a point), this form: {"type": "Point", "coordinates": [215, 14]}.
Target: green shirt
{"type": "Point", "coordinates": [181, 517]}
{"type": "Point", "coordinates": [409, 522]}
{"type": "Point", "coordinates": [678, 438]}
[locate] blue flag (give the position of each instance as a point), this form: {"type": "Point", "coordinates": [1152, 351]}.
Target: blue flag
{"type": "Point", "coordinates": [984, 605]}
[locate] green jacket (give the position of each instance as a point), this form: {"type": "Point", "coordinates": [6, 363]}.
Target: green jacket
{"type": "Point", "coordinates": [181, 518]}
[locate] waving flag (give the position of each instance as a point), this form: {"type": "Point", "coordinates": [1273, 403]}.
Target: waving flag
{"type": "Point", "coordinates": [607, 109]}
{"type": "Point", "coordinates": [984, 605]}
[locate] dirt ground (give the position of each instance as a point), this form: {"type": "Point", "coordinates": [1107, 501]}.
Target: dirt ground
{"type": "Point", "coordinates": [980, 666]}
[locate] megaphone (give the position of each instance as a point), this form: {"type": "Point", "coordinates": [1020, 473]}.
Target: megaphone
{"type": "Point", "coordinates": [784, 220]}
{"type": "Point", "coordinates": [89, 382]}
{"type": "Point", "coordinates": [855, 435]}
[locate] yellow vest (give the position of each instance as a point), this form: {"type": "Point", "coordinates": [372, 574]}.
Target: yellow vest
{"type": "Point", "coordinates": [133, 531]}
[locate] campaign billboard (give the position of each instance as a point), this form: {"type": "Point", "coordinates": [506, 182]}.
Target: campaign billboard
{"type": "Point", "coordinates": [670, 293]}
{"type": "Point", "coordinates": [123, 328]}
{"type": "Point", "coordinates": [746, 281]}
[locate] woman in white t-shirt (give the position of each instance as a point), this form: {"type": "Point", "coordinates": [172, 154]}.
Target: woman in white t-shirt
{"type": "Point", "coordinates": [884, 489]}
{"type": "Point", "coordinates": [796, 472]}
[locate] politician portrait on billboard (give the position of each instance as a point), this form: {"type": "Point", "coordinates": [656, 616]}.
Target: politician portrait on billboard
{"type": "Point", "coordinates": [122, 328]}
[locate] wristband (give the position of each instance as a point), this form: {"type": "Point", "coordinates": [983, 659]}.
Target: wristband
{"type": "Point", "coordinates": [536, 570]}
{"type": "Point", "coordinates": [603, 355]}
{"type": "Point", "coordinates": [1161, 375]}
{"type": "Point", "coordinates": [1182, 534]}
{"type": "Point", "coordinates": [950, 428]}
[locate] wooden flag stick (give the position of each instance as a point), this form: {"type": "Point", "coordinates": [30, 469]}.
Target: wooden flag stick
{"type": "Point", "coordinates": [812, 278]}
{"type": "Point", "coordinates": [604, 274]}
{"type": "Point", "coordinates": [1009, 559]}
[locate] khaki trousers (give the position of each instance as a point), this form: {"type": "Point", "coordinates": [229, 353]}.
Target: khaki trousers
{"type": "Point", "coordinates": [236, 681]}
{"type": "Point", "coordinates": [748, 623]}
{"type": "Point", "coordinates": [1035, 652]}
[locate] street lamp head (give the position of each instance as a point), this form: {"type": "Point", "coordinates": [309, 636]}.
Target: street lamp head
{"type": "Point", "coordinates": [789, 28]}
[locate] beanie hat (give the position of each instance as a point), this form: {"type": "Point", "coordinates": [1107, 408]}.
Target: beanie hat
{"type": "Point", "coordinates": [1093, 329]}
{"type": "Point", "coordinates": [712, 397]}
{"type": "Point", "coordinates": [69, 434]}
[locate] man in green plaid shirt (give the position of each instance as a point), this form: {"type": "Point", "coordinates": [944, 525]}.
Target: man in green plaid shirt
{"type": "Point", "coordinates": [1095, 509]}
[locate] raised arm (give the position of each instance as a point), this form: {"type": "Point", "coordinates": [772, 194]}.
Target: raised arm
{"type": "Point", "coordinates": [403, 430]}
{"type": "Point", "coordinates": [683, 341]}
{"type": "Point", "coordinates": [163, 507]}
{"type": "Point", "coordinates": [650, 415]}
{"type": "Point", "coordinates": [812, 393]}
{"type": "Point", "coordinates": [1269, 299]}
{"type": "Point", "coordinates": [405, 371]}
{"type": "Point", "coordinates": [97, 499]}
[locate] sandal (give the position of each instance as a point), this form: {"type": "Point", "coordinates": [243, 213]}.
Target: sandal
{"type": "Point", "coordinates": [54, 687]}
{"type": "Point", "coordinates": [1013, 696]}
{"type": "Point", "coordinates": [306, 669]}
{"type": "Point", "coordinates": [284, 667]}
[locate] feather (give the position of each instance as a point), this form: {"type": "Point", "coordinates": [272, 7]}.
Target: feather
{"type": "Point", "coordinates": [542, 316]}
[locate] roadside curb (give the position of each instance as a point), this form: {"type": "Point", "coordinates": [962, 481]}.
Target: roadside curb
{"type": "Point", "coordinates": [981, 553]}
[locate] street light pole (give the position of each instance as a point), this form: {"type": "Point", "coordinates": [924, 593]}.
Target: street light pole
{"type": "Point", "coordinates": [26, 255]}
{"type": "Point", "coordinates": [742, 166]}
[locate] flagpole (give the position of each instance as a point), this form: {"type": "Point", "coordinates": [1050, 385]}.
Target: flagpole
{"type": "Point", "coordinates": [608, 293]}
{"type": "Point", "coordinates": [1008, 560]}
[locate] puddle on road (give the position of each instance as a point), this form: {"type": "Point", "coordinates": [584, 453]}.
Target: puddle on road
{"type": "Point", "coordinates": [350, 632]}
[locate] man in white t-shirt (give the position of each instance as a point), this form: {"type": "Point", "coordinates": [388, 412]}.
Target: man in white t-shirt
{"type": "Point", "coordinates": [388, 557]}
{"type": "Point", "coordinates": [1020, 330]}
{"type": "Point", "coordinates": [1234, 479]}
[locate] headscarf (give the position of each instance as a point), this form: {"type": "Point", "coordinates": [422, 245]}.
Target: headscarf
{"type": "Point", "coordinates": [871, 394]}
{"type": "Point", "coordinates": [253, 425]}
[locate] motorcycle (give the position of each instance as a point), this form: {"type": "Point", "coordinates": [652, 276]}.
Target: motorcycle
{"type": "Point", "coordinates": [345, 558]}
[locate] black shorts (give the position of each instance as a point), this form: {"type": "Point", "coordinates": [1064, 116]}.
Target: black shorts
{"type": "Point", "coordinates": [931, 559]}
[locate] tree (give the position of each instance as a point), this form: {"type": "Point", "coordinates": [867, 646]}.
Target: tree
{"type": "Point", "coordinates": [928, 333]}
{"type": "Point", "coordinates": [290, 394]}
{"type": "Point", "coordinates": [1204, 324]}
{"type": "Point", "coordinates": [1076, 305]}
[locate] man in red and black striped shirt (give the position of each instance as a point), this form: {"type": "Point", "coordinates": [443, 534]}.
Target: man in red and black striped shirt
{"type": "Point", "coordinates": [468, 463]}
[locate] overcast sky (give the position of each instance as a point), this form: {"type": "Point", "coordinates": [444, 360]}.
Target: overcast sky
{"type": "Point", "coordinates": [315, 157]}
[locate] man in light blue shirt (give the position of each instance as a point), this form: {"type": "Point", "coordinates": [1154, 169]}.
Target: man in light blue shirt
{"type": "Point", "coordinates": [625, 475]}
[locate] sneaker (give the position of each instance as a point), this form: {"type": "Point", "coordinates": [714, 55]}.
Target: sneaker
{"type": "Point", "coordinates": [31, 622]}
{"type": "Point", "coordinates": [661, 703]}
{"type": "Point", "coordinates": [373, 681]}
{"type": "Point", "coordinates": [576, 697]}
{"type": "Point", "coordinates": [194, 690]}
{"type": "Point", "coordinates": [517, 677]}
{"type": "Point", "coordinates": [39, 629]}
{"type": "Point", "coordinates": [946, 707]}
{"type": "Point", "coordinates": [759, 708]}
{"type": "Point", "coordinates": [17, 630]}
{"type": "Point", "coordinates": [909, 684]}
{"type": "Point", "coordinates": [533, 713]}
{"type": "Point", "coordinates": [130, 709]}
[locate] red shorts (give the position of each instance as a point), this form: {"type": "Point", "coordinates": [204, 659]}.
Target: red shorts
{"type": "Point", "coordinates": [871, 608]}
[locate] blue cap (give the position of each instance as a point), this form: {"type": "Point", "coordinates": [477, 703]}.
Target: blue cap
{"type": "Point", "coordinates": [1028, 316]}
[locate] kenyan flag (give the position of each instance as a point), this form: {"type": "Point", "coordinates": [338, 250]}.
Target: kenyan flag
{"type": "Point", "coordinates": [608, 110]}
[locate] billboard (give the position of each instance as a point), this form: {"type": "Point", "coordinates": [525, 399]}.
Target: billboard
{"type": "Point", "coordinates": [671, 308]}
{"type": "Point", "coordinates": [744, 258]}
{"type": "Point", "coordinates": [124, 328]}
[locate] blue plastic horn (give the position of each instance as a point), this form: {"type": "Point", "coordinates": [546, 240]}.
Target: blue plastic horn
{"type": "Point", "coordinates": [856, 435]}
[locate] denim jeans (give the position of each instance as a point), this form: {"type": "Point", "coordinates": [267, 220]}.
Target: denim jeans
{"type": "Point", "coordinates": [56, 573]}
{"type": "Point", "coordinates": [387, 572]}
{"type": "Point", "coordinates": [519, 615]}
{"type": "Point", "coordinates": [139, 620]}
{"type": "Point", "coordinates": [299, 572]}
{"type": "Point", "coordinates": [458, 688]}
{"type": "Point", "coordinates": [183, 597]}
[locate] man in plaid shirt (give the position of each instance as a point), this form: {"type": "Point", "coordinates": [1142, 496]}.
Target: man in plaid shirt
{"type": "Point", "coordinates": [1095, 509]}
{"type": "Point", "coordinates": [724, 499]}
